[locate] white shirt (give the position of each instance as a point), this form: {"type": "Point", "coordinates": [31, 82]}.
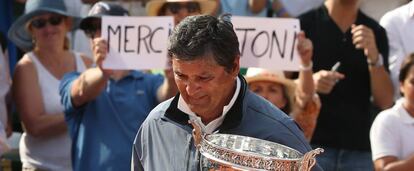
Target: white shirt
{"type": "Point", "coordinates": [392, 133]}
{"type": "Point", "coordinates": [399, 24]}
{"type": "Point", "coordinates": [213, 125]}
{"type": "Point", "coordinates": [377, 8]}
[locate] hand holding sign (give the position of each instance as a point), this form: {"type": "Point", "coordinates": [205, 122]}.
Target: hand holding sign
{"type": "Point", "coordinates": [305, 49]}
{"type": "Point", "coordinates": [169, 74]}
{"type": "Point", "coordinates": [100, 51]}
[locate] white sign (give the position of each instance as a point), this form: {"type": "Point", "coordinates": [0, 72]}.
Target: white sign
{"type": "Point", "coordinates": [268, 42]}
{"type": "Point", "coordinates": [136, 42]}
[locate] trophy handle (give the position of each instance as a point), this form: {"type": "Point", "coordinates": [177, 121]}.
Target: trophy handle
{"type": "Point", "coordinates": [308, 160]}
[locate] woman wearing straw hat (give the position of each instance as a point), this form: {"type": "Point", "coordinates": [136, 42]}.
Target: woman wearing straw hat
{"type": "Point", "coordinates": [41, 31]}
{"type": "Point", "coordinates": [298, 99]}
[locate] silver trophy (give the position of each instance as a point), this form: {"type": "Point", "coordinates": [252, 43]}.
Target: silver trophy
{"type": "Point", "coordinates": [234, 152]}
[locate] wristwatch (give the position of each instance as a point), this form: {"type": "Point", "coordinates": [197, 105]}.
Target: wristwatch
{"type": "Point", "coordinates": [378, 63]}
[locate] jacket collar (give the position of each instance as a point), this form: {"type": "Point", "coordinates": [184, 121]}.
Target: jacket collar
{"type": "Point", "coordinates": [232, 119]}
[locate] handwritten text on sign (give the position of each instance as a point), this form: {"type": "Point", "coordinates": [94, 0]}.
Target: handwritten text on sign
{"type": "Point", "coordinates": [268, 42]}
{"type": "Point", "coordinates": [136, 42]}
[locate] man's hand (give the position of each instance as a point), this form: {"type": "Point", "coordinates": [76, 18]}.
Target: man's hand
{"type": "Point", "coordinates": [326, 80]}
{"type": "Point", "coordinates": [363, 38]}
{"type": "Point", "coordinates": [169, 75]}
{"type": "Point", "coordinates": [168, 88]}
{"type": "Point", "coordinates": [100, 51]}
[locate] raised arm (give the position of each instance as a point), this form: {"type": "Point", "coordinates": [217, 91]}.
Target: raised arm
{"type": "Point", "coordinates": [381, 85]}
{"type": "Point", "coordinates": [91, 82]}
{"type": "Point", "coordinates": [305, 86]}
{"type": "Point", "coordinates": [168, 88]}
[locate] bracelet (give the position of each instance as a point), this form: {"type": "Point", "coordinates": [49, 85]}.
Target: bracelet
{"type": "Point", "coordinates": [306, 68]}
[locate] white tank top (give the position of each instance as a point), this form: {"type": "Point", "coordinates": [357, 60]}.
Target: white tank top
{"type": "Point", "coordinates": [53, 153]}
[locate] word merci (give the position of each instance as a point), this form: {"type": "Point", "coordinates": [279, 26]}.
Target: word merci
{"type": "Point", "coordinates": [136, 42]}
{"type": "Point", "coordinates": [132, 43]}
{"type": "Point", "coordinates": [268, 42]}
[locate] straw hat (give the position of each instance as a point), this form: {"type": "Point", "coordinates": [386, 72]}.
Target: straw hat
{"type": "Point", "coordinates": [207, 6]}
{"type": "Point", "coordinates": [18, 32]}
{"type": "Point", "coordinates": [260, 74]}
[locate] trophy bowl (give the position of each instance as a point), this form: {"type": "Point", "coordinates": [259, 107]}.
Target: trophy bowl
{"type": "Point", "coordinates": [235, 152]}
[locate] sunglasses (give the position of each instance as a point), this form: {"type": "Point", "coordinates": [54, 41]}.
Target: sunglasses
{"type": "Point", "coordinates": [41, 22]}
{"type": "Point", "coordinates": [92, 28]}
{"type": "Point", "coordinates": [176, 7]}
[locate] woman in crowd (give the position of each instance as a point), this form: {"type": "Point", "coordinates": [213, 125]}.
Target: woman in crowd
{"type": "Point", "coordinates": [392, 133]}
{"type": "Point", "coordinates": [298, 99]}
{"type": "Point", "coordinates": [42, 31]}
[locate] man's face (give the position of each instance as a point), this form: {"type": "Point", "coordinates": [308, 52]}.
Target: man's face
{"type": "Point", "coordinates": [204, 85]}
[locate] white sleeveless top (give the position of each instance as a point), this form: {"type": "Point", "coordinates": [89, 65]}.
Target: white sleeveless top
{"type": "Point", "coordinates": [53, 153]}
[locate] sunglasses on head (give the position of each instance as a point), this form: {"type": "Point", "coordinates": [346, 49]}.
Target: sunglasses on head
{"type": "Point", "coordinates": [41, 22]}
{"type": "Point", "coordinates": [176, 7]}
{"type": "Point", "coordinates": [92, 28]}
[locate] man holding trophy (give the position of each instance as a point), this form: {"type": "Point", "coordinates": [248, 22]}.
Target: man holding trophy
{"type": "Point", "coordinates": [213, 98]}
